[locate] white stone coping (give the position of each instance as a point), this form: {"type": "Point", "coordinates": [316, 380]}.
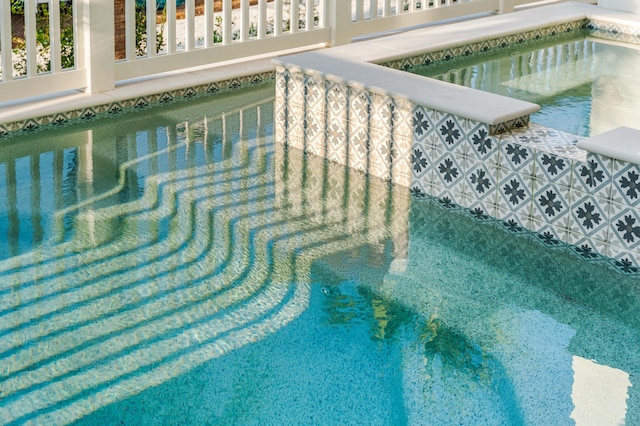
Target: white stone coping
{"type": "Point", "coordinates": [464, 102]}
{"type": "Point", "coordinates": [622, 143]}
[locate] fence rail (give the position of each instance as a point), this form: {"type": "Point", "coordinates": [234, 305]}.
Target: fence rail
{"type": "Point", "coordinates": [49, 46]}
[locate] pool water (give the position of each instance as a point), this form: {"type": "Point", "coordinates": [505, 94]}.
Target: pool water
{"type": "Point", "coordinates": [176, 266]}
{"type": "Point", "coordinates": [584, 85]}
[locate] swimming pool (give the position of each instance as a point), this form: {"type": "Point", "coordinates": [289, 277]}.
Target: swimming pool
{"type": "Point", "coordinates": [175, 265]}
{"type": "Point", "coordinates": [570, 75]}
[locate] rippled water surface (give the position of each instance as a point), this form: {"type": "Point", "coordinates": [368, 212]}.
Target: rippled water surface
{"type": "Point", "coordinates": [585, 85]}
{"type": "Point", "coordinates": [176, 266]}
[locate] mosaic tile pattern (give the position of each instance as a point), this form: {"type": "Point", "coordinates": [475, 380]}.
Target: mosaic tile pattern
{"type": "Point", "coordinates": [529, 181]}
{"type": "Point", "coordinates": [99, 111]}
{"type": "Point", "coordinates": [485, 46]}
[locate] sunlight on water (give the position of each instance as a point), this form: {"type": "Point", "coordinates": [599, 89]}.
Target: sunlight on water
{"type": "Point", "coordinates": [569, 75]}
{"type": "Point", "coordinates": [176, 266]}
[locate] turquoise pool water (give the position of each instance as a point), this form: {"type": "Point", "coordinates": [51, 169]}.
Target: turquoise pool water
{"type": "Point", "coordinates": [175, 266]}
{"type": "Point", "coordinates": [585, 85]}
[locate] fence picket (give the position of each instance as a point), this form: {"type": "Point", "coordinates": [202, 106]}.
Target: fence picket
{"type": "Point", "coordinates": [6, 67]}
{"type": "Point", "coordinates": [294, 25]}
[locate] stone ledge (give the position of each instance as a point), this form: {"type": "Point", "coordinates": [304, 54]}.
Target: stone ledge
{"type": "Point", "coordinates": [450, 98]}
{"type": "Point", "coordinates": [622, 143]}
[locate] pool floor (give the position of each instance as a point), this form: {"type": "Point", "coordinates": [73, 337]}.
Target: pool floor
{"type": "Point", "coordinates": [176, 266]}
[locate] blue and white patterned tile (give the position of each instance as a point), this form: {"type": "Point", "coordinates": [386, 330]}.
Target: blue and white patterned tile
{"type": "Point", "coordinates": [450, 132]}
{"type": "Point", "coordinates": [430, 185]}
{"type": "Point", "coordinates": [626, 183]}
{"type": "Point", "coordinates": [464, 199]}
{"type": "Point", "coordinates": [449, 171]}
{"type": "Point", "coordinates": [358, 148]}
{"type": "Point", "coordinates": [515, 194]}
{"type": "Point", "coordinates": [315, 93]}
{"type": "Point", "coordinates": [481, 182]}
{"type": "Point", "coordinates": [624, 260]}
{"type": "Point", "coordinates": [420, 190]}
{"type": "Point", "coordinates": [512, 222]}
{"type": "Point", "coordinates": [593, 176]}
{"type": "Point", "coordinates": [483, 211]}
{"type": "Point", "coordinates": [423, 160]}
{"type": "Point", "coordinates": [422, 125]}
{"type": "Point", "coordinates": [483, 145]}
{"type": "Point", "coordinates": [296, 136]}
{"type": "Point", "coordinates": [551, 202]}
{"type": "Point", "coordinates": [402, 118]}
{"type": "Point", "coordinates": [583, 244]}
{"type": "Point", "coordinates": [336, 134]}
{"type": "Point", "coordinates": [383, 111]}
{"type": "Point", "coordinates": [360, 109]}
{"type": "Point", "coordinates": [401, 169]}
{"type": "Point", "coordinates": [553, 168]}
{"type": "Point", "coordinates": [518, 158]}
{"type": "Point", "coordinates": [448, 199]}
{"type": "Point", "coordinates": [294, 91]}
{"type": "Point", "coordinates": [380, 155]}
{"type": "Point", "coordinates": [337, 105]}
{"type": "Point", "coordinates": [547, 234]}
{"type": "Point", "coordinates": [624, 226]}
{"type": "Point", "coordinates": [590, 215]}
{"type": "Point", "coordinates": [584, 250]}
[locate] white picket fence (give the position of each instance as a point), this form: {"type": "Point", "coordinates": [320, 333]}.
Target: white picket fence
{"type": "Point", "coordinates": [81, 51]}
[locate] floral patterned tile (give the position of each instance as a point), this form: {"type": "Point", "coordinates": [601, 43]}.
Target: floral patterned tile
{"type": "Point", "coordinates": [593, 176]}
{"type": "Point", "coordinates": [624, 226]}
{"type": "Point", "coordinates": [626, 183]}
{"type": "Point", "coordinates": [623, 260]}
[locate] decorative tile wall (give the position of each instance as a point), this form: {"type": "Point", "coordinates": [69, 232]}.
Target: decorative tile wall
{"type": "Point", "coordinates": [105, 110]}
{"type": "Point", "coordinates": [527, 179]}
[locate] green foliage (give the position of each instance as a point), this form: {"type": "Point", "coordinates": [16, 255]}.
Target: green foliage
{"type": "Point", "coordinates": [141, 33]}
{"type": "Point", "coordinates": [17, 7]}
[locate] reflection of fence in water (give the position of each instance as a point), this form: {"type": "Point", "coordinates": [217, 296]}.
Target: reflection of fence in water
{"type": "Point", "coordinates": [212, 257]}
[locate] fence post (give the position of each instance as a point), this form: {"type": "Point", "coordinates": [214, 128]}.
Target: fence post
{"type": "Point", "coordinates": [506, 6]}
{"type": "Point", "coordinates": [98, 44]}
{"type": "Point", "coordinates": [340, 21]}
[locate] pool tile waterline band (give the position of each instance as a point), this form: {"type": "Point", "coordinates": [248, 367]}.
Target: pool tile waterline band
{"type": "Point", "coordinates": [483, 164]}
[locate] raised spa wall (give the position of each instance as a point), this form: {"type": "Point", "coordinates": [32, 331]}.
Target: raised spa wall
{"type": "Point", "coordinates": [466, 149]}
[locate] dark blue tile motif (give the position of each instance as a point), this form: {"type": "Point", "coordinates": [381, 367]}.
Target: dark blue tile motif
{"type": "Point", "coordinates": [417, 192]}
{"type": "Point", "coordinates": [548, 239]}
{"type": "Point", "coordinates": [419, 160]}
{"type": "Point", "coordinates": [629, 228]}
{"type": "Point", "coordinates": [513, 226]}
{"type": "Point", "coordinates": [626, 266]}
{"type": "Point", "coordinates": [550, 203]}
{"type": "Point", "coordinates": [518, 154]}
{"type": "Point", "coordinates": [450, 133]}
{"type": "Point", "coordinates": [87, 115]}
{"type": "Point", "coordinates": [420, 123]}
{"type": "Point", "coordinates": [588, 215]}
{"type": "Point", "coordinates": [481, 141]}
{"type": "Point", "coordinates": [592, 176]}
{"type": "Point", "coordinates": [585, 252]}
{"type": "Point", "coordinates": [448, 170]}
{"type": "Point", "coordinates": [447, 203]}
{"type": "Point", "coordinates": [31, 126]}
{"type": "Point", "coordinates": [631, 184]}
{"type": "Point", "coordinates": [515, 193]}
{"type": "Point", "coordinates": [479, 214]}
{"type": "Point", "coordinates": [59, 121]}
{"type": "Point", "coordinates": [553, 164]}
{"type": "Point", "coordinates": [480, 180]}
